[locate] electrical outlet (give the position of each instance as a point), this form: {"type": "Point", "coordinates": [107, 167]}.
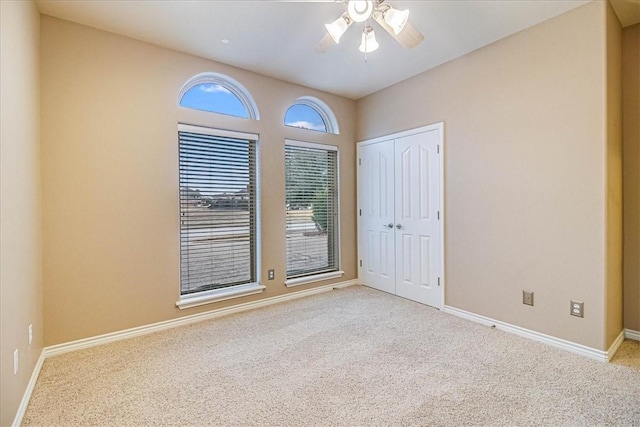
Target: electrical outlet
{"type": "Point", "coordinates": [271, 274]}
{"type": "Point", "coordinates": [527, 298]}
{"type": "Point", "coordinates": [15, 362]}
{"type": "Point", "coordinates": [577, 308]}
{"type": "Point", "coordinates": [30, 334]}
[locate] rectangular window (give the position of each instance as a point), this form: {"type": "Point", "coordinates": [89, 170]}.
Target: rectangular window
{"type": "Point", "coordinates": [311, 192]}
{"type": "Point", "coordinates": [218, 223]}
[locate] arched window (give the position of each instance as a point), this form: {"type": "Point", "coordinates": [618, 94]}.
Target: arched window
{"type": "Point", "coordinates": [311, 113]}
{"type": "Point", "coordinates": [220, 94]}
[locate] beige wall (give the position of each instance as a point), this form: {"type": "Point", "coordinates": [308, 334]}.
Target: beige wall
{"type": "Point", "coordinates": [110, 177]}
{"type": "Point", "coordinates": [525, 171]}
{"type": "Point", "coordinates": [20, 220]}
{"type": "Point", "coordinates": [613, 254]}
{"type": "Point", "coordinates": [631, 167]}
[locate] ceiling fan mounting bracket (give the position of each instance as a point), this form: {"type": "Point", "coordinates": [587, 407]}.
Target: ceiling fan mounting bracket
{"type": "Point", "coordinates": [360, 10]}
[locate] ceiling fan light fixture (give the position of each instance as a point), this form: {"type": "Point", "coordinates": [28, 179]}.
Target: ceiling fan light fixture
{"type": "Point", "coordinates": [338, 27]}
{"type": "Point", "coordinates": [393, 21]}
{"type": "Point", "coordinates": [360, 10]}
{"type": "Point", "coordinates": [369, 42]}
{"type": "Point", "coordinates": [396, 19]}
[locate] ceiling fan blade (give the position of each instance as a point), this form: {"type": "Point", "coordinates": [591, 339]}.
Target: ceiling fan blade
{"type": "Point", "coordinates": [325, 44]}
{"type": "Point", "coordinates": [409, 37]}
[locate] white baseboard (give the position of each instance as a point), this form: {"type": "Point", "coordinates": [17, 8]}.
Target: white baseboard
{"type": "Point", "coordinates": [186, 320]}
{"type": "Point", "coordinates": [631, 334]}
{"type": "Point", "coordinates": [615, 346]}
{"type": "Point", "coordinates": [600, 355]}
{"type": "Point", "coordinates": [27, 393]}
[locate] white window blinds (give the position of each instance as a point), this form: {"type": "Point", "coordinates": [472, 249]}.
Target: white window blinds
{"type": "Point", "coordinates": [311, 192]}
{"type": "Point", "coordinates": [217, 210]}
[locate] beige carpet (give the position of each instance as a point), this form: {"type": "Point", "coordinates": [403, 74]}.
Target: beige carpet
{"type": "Point", "coordinates": [628, 354]}
{"type": "Point", "coordinates": [348, 357]}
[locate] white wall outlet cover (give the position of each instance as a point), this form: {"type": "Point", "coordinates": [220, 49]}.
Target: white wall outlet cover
{"type": "Point", "coordinates": [577, 308]}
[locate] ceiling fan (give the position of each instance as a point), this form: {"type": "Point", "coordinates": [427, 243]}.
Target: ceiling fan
{"type": "Point", "coordinates": [394, 21]}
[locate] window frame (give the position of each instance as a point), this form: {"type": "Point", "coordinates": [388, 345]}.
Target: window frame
{"type": "Point", "coordinates": [324, 275]}
{"type": "Point", "coordinates": [188, 300]}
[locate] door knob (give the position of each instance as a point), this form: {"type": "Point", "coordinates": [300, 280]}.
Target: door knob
{"type": "Point", "coordinates": [388, 225]}
{"type": "Point", "coordinates": [399, 227]}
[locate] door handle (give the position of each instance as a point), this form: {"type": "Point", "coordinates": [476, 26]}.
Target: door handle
{"type": "Point", "coordinates": [387, 225]}
{"type": "Point", "coordinates": [399, 227]}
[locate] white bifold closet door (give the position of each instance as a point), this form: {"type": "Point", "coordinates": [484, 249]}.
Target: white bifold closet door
{"type": "Point", "coordinates": [400, 240]}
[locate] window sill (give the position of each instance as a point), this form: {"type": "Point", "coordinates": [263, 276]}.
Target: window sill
{"type": "Point", "coordinates": [215, 295]}
{"type": "Point", "coordinates": [315, 278]}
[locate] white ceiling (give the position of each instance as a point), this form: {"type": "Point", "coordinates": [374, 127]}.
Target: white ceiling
{"type": "Point", "coordinates": [278, 38]}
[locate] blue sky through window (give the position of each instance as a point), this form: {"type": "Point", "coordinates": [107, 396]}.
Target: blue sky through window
{"type": "Point", "coordinates": [214, 98]}
{"type": "Point", "coordinates": [303, 116]}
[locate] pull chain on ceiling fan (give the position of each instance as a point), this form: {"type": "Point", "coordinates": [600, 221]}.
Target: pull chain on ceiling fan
{"type": "Point", "coordinates": [394, 21]}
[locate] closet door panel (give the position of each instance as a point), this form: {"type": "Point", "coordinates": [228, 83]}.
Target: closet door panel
{"type": "Point", "coordinates": [417, 226]}
{"type": "Point", "coordinates": [376, 211]}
